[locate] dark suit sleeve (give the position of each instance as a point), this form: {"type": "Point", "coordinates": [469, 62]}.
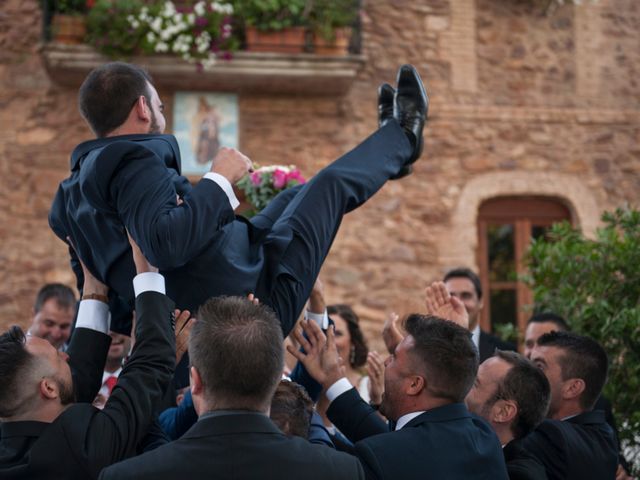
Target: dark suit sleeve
{"type": "Point", "coordinates": [369, 462]}
{"type": "Point", "coordinates": [545, 443]}
{"type": "Point", "coordinates": [115, 432]}
{"type": "Point", "coordinates": [354, 417]}
{"type": "Point", "coordinates": [144, 194]}
{"type": "Point", "coordinates": [87, 355]}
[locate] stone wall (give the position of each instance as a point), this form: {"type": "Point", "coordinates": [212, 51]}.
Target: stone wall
{"type": "Point", "coordinates": [521, 103]}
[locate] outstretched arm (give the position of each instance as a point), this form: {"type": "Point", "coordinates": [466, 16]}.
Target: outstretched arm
{"type": "Point", "coordinates": [90, 340]}
{"type": "Point", "coordinates": [143, 193]}
{"type": "Point", "coordinates": [116, 431]}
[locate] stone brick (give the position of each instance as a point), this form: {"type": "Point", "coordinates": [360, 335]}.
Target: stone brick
{"type": "Point", "coordinates": [521, 104]}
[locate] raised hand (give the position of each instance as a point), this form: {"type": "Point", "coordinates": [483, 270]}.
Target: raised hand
{"type": "Point", "coordinates": [184, 322]}
{"type": "Point", "coordinates": [141, 262]}
{"type": "Point", "coordinates": [391, 333]}
{"type": "Point", "coordinates": [92, 287]}
{"type": "Point", "coordinates": [253, 299]}
{"type": "Point", "coordinates": [316, 299]}
{"type": "Point", "coordinates": [320, 356]}
{"type": "Point", "coordinates": [441, 304]}
{"type": "Point", "coordinates": [231, 164]}
{"type": "Point", "coordinates": [375, 369]}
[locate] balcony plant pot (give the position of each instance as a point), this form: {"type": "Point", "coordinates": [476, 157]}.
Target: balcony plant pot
{"type": "Point", "coordinates": [338, 45]}
{"type": "Point", "coordinates": [68, 29]}
{"type": "Point", "coordinates": [288, 40]}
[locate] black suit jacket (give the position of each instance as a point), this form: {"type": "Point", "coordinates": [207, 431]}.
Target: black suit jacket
{"type": "Point", "coordinates": [580, 447]}
{"type": "Point", "coordinates": [521, 465]}
{"type": "Point", "coordinates": [445, 442]}
{"type": "Point", "coordinates": [87, 352]}
{"type": "Point", "coordinates": [83, 439]}
{"type": "Point", "coordinates": [238, 446]}
{"type": "Point", "coordinates": [488, 344]}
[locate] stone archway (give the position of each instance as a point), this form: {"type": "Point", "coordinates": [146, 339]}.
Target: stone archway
{"type": "Point", "coordinates": [458, 243]}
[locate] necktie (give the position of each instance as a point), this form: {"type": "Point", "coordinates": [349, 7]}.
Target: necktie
{"type": "Point", "coordinates": [110, 382]}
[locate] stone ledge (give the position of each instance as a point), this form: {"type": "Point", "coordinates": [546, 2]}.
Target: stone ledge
{"type": "Point", "coordinates": [246, 72]}
{"type": "Point", "coordinates": [534, 114]}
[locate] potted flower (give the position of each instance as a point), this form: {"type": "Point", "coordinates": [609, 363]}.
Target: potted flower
{"type": "Point", "coordinates": [110, 31]}
{"type": "Point", "coordinates": [263, 184]}
{"type": "Point", "coordinates": [198, 32]}
{"type": "Point", "coordinates": [331, 22]}
{"type": "Point", "coordinates": [273, 25]}
{"type": "Point", "coordinates": [68, 22]}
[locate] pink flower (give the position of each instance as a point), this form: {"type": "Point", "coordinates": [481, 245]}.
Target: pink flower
{"type": "Point", "coordinates": [295, 176]}
{"type": "Point", "coordinates": [279, 178]}
{"type": "Point", "coordinates": [256, 178]}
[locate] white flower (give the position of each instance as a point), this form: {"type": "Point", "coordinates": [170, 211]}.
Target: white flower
{"type": "Point", "coordinates": [191, 18]}
{"type": "Point", "coordinates": [199, 8]}
{"type": "Point", "coordinates": [169, 10]}
{"type": "Point", "coordinates": [151, 38]}
{"type": "Point", "coordinates": [156, 25]}
{"type": "Point", "coordinates": [162, 47]}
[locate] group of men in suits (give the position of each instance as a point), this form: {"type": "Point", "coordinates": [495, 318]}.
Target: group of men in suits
{"type": "Point", "coordinates": [125, 190]}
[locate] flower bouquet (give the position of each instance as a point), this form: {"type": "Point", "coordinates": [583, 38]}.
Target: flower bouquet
{"type": "Point", "coordinates": [263, 184]}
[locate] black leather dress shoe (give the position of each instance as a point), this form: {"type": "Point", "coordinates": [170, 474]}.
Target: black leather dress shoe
{"type": "Point", "coordinates": [386, 97]}
{"type": "Point", "coordinates": [410, 107]}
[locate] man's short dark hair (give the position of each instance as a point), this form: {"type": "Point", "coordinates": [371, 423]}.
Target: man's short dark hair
{"type": "Point", "coordinates": [108, 94]}
{"type": "Point", "coordinates": [528, 386]}
{"type": "Point", "coordinates": [237, 348]}
{"type": "Point", "coordinates": [291, 409]}
{"type": "Point", "coordinates": [550, 317]}
{"type": "Point", "coordinates": [447, 354]}
{"type": "Point", "coordinates": [15, 362]}
{"type": "Point", "coordinates": [469, 274]}
{"type": "Point", "coordinates": [358, 342]}
{"type": "Point", "coordinates": [63, 295]}
{"type": "Point", "coordinates": [582, 357]}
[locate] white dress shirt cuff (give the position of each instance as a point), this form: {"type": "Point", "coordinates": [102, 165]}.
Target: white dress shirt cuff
{"type": "Point", "coordinates": [322, 319]}
{"type": "Point", "coordinates": [95, 315]}
{"type": "Point", "coordinates": [338, 388]}
{"type": "Point", "coordinates": [148, 282]}
{"type": "Point", "coordinates": [225, 185]}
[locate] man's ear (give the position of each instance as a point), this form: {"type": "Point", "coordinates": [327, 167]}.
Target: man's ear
{"type": "Point", "coordinates": [195, 381]}
{"type": "Point", "coordinates": [416, 386]}
{"type": "Point", "coordinates": [573, 388]}
{"type": "Point", "coordinates": [143, 109]}
{"type": "Point", "coordinates": [504, 411]}
{"type": "Point", "coordinates": [48, 389]}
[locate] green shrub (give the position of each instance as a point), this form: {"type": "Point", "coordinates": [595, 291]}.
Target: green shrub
{"type": "Point", "coordinates": [595, 285]}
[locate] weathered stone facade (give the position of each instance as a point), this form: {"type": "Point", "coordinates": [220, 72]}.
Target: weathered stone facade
{"type": "Point", "coordinates": [521, 103]}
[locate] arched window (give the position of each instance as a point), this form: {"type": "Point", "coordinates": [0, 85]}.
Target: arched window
{"type": "Point", "coordinates": [506, 226]}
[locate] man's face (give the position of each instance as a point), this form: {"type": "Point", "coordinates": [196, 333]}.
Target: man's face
{"type": "Point", "coordinates": [533, 332]}
{"type": "Point", "coordinates": [53, 323]}
{"type": "Point", "coordinates": [158, 122]}
{"type": "Point", "coordinates": [56, 364]}
{"type": "Point", "coordinates": [463, 289]}
{"type": "Point", "coordinates": [397, 372]}
{"type": "Point", "coordinates": [490, 374]}
{"type": "Point", "coordinates": [120, 347]}
{"type": "Point", "coordinates": [547, 359]}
